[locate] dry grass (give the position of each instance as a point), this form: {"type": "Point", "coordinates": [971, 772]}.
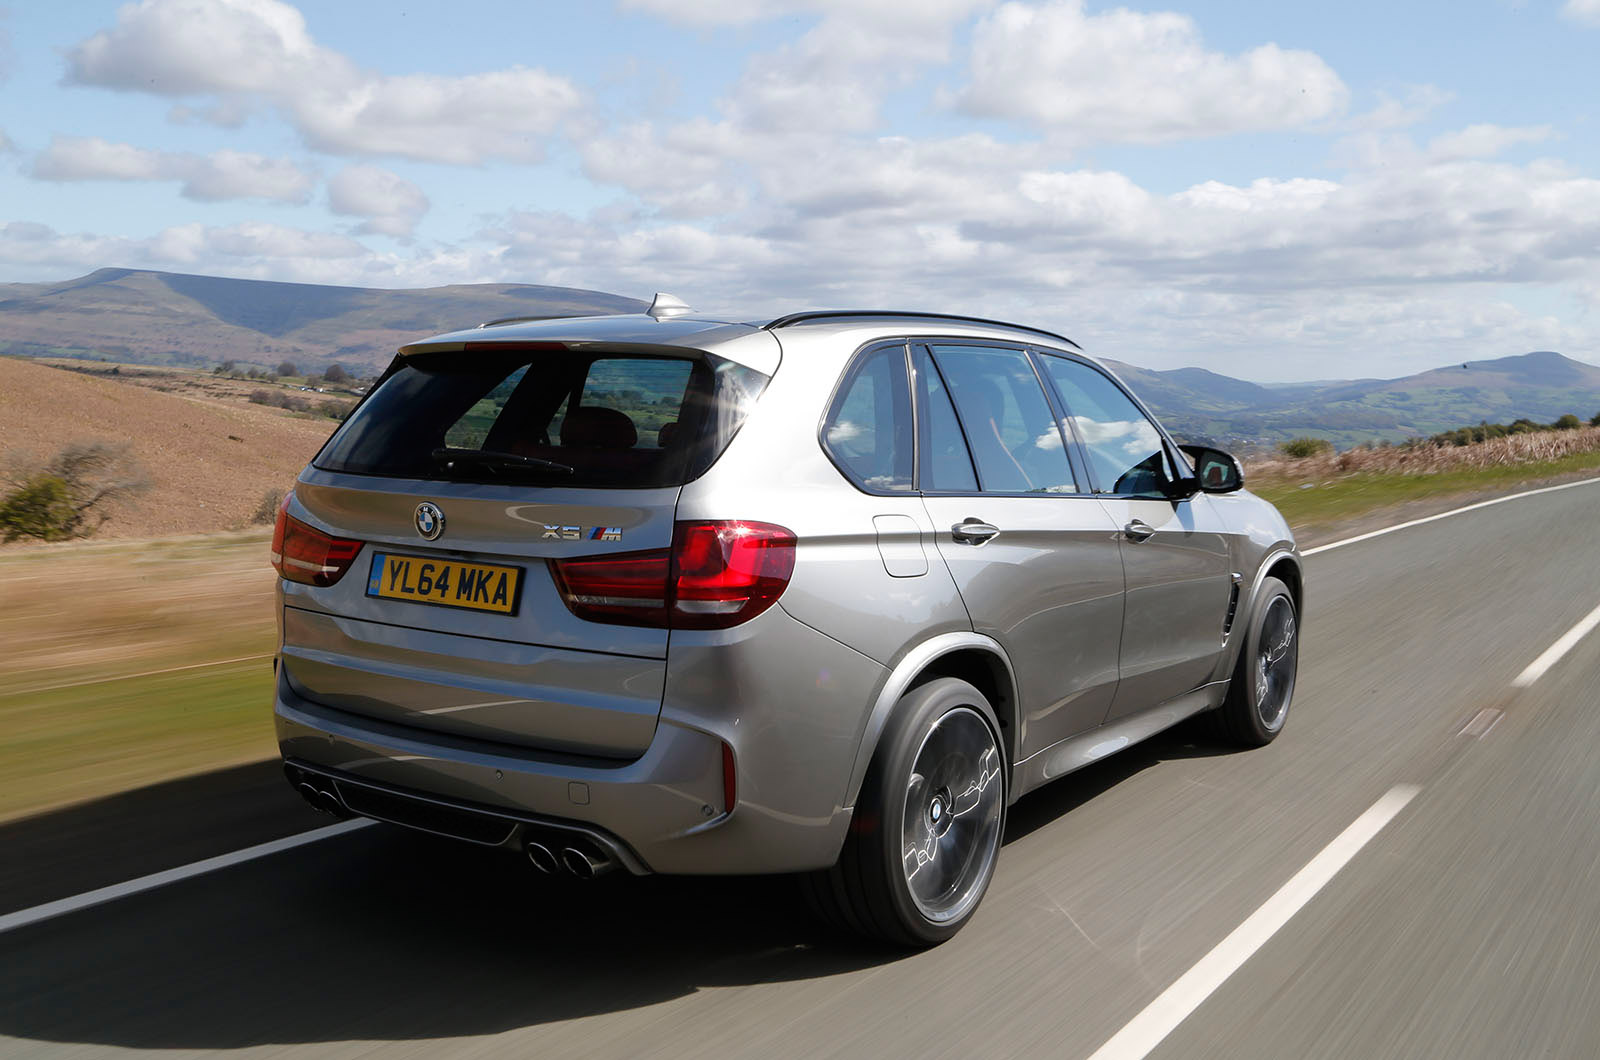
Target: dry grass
{"type": "Point", "coordinates": [209, 460]}
{"type": "Point", "coordinates": [1333, 489]}
{"type": "Point", "coordinates": [125, 664]}
{"type": "Point", "coordinates": [1424, 459]}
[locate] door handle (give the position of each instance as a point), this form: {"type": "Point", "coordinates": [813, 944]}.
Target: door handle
{"type": "Point", "coordinates": [973, 531]}
{"type": "Point", "coordinates": [1138, 530]}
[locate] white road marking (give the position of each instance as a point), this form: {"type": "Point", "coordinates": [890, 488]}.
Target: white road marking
{"type": "Point", "coordinates": [24, 917]}
{"type": "Point", "coordinates": [1553, 654]}
{"type": "Point", "coordinates": [130, 677]}
{"type": "Point", "coordinates": [1446, 515]}
{"type": "Point", "coordinates": [1483, 721]}
{"type": "Point", "coordinates": [1150, 1027]}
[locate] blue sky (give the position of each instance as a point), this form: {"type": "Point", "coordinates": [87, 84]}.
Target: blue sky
{"type": "Point", "coordinates": [1269, 190]}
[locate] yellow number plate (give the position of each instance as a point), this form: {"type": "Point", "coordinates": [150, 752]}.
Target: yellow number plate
{"type": "Point", "coordinates": [474, 586]}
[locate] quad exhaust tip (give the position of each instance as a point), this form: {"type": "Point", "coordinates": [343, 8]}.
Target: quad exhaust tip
{"type": "Point", "coordinates": [322, 799]}
{"type": "Point", "coordinates": [579, 861]}
{"type": "Point", "coordinates": [542, 857]}
{"type": "Point", "coordinates": [583, 864]}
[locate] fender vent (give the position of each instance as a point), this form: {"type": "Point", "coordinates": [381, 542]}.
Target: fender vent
{"type": "Point", "coordinates": [1233, 606]}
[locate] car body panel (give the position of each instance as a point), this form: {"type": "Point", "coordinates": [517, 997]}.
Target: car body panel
{"type": "Point", "coordinates": [634, 733]}
{"type": "Point", "coordinates": [1178, 583]}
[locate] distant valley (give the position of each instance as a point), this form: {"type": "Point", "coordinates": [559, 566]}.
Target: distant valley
{"type": "Point", "coordinates": [144, 317]}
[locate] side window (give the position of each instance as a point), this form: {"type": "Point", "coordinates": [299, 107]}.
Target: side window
{"type": "Point", "coordinates": [1125, 449]}
{"type": "Point", "coordinates": [1013, 437]}
{"type": "Point", "coordinates": [868, 429]}
{"type": "Point", "coordinates": [946, 463]}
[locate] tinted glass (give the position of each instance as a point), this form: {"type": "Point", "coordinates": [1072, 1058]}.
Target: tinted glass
{"type": "Point", "coordinates": [1012, 435]}
{"type": "Point", "coordinates": [868, 430]}
{"type": "Point", "coordinates": [946, 464]}
{"type": "Point", "coordinates": [550, 418]}
{"type": "Point", "coordinates": [1124, 447]}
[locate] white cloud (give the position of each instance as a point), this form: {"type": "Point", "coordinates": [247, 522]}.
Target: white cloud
{"type": "Point", "coordinates": [391, 204]}
{"type": "Point", "coordinates": [207, 178]}
{"type": "Point", "coordinates": [262, 49]}
{"type": "Point", "coordinates": [1484, 141]}
{"type": "Point", "coordinates": [252, 246]}
{"type": "Point", "coordinates": [1133, 77]}
{"type": "Point", "coordinates": [1584, 11]}
{"type": "Point", "coordinates": [1417, 103]}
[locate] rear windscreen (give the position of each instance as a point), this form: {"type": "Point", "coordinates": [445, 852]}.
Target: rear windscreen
{"type": "Point", "coordinates": [548, 417]}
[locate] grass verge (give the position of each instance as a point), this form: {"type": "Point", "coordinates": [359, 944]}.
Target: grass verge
{"type": "Point", "coordinates": [1322, 501]}
{"type": "Point", "coordinates": [115, 666]}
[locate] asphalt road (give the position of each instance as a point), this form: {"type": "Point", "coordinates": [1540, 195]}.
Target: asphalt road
{"type": "Point", "coordinates": [1469, 926]}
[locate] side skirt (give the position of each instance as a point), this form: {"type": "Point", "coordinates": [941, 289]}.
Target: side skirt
{"type": "Point", "coordinates": [1089, 747]}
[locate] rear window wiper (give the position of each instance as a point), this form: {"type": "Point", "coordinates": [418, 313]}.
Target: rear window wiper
{"type": "Point", "coordinates": [492, 459]}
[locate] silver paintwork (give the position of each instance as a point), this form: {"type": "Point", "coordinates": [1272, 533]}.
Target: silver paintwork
{"type": "Point", "coordinates": [1095, 638]}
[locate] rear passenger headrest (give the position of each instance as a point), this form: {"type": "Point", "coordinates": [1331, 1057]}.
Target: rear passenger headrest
{"type": "Point", "coordinates": [597, 427]}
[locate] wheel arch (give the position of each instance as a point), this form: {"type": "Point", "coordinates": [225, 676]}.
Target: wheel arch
{"type": "Point", "coordinates": [1282, 563]}
{"type": "Point", "coordinates": [972, 657]}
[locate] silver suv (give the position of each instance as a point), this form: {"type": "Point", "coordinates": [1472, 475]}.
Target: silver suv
{"type": "Point", "coordinates": [821, 595]}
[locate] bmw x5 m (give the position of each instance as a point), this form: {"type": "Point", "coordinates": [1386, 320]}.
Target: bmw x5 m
{"type": "Point", "coordinates": [820, 595]}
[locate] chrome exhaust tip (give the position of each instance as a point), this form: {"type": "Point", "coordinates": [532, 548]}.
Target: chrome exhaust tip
{"type": "Point", "coordinates": [582, 864]}
{"type": "Point", "coordinates": [323, 800]}
{"type": "Point", "coordinates": [542, 857]}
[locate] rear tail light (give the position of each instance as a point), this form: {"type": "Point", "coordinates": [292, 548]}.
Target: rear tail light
{"type": "Point", "coordinates": [716, 575]}
{"type": "Point", "coordinates": [305, 554]}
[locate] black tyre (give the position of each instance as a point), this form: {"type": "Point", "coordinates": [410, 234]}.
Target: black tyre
{"type": "Point", "coordinates": [926, 834]}
{"type": "Point", "coordinates": [1263, 680]}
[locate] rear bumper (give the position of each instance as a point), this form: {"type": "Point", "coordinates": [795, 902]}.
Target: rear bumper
{"type": "Point", "coordinates": [662, 812]}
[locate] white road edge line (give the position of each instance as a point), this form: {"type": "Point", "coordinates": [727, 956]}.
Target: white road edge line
{"type": "Point", "coordinates": [1150, 1027]}
{"type": "Point", "coordinates": [1446, 515]}
{"type": "Point", "coordinates": [1554, 652]}
{"type": "Point", "coordinates": [24, 917]}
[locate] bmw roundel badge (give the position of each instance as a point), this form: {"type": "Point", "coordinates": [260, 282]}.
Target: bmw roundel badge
{"type": "Point", "coordinates": [430, 521]}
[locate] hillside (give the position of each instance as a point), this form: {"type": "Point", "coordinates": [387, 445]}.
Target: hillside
{"type": "Point", "coordinates": [171, 318]}
{"type": "Point", "coordinates": [1539, 386]}
{"type": "Point", "coordinates": [209, 462]}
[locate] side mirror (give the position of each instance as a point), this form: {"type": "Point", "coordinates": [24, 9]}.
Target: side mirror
{"type": "Point", "coordinates": [1216, 471]}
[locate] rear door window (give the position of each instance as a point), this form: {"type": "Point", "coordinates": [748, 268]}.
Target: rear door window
{"type": "Point", "coordinates": [1013, 437]}
{"type": "Point", "coordinates": [547, 417]}
{"type": "Point", "coordinates": [946, 465]}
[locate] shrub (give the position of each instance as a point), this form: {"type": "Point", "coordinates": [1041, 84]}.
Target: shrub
{"type": "Point", "coordinates": [1300, 448]}
{"type": "Point", "coordinates": [287, 368]}
{"type": "Point", "coordinates": [267, 511]}
{"type": "Point", "coordinates": [334, 410]}
{"type": "Point", "coordinates": [66, 498]}
{"type": "Point", "coordinates": [280, 399]}
{"type": "Point", "coordinates": [1569, 422]}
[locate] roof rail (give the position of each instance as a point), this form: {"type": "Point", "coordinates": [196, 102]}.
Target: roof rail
{"type": "Point", "coordinates": [832, 314]}
{"type": "Point", "coordinates": [524, 320]}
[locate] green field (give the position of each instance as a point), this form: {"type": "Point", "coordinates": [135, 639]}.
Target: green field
{"type": "Point", "coordinates": [124, 664]}
{"type": "Point", "coordinates": [1314, 504]}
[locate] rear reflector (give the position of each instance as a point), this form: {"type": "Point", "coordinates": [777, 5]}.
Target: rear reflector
{"type": "Point", "coordinates": [716, 575]}
{"type": "Point", "coordinates": [730, 782]}
{"type": "Point", "coordinates": [305, 554]}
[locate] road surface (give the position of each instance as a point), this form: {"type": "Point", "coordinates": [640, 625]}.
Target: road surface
{"type": "Point", "coordinates": [1465, 924]}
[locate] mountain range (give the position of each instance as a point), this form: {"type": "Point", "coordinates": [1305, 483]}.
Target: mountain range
{"type": "Point", "coordinates": [147, 317]}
